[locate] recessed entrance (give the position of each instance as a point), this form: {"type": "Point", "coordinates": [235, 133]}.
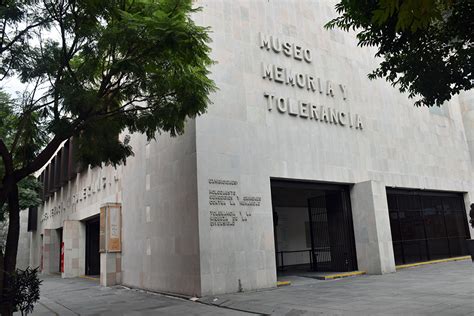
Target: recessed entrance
{"type": "Point", "coordinates": [313, 228]}
{"type": "Point", "coordinates": [61, 249]}
{"type": "Point", "coordinates": [92, 247]}
{"type": "Point", "coordinates": [427, 225]}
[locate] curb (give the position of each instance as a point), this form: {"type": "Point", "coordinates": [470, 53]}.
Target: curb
{"type": "Point", "coordinates": [417, 264]}
{"type": "Point", "coordinates": [340, 275]}
{"type": "Point", "coordinates": [89, 278]}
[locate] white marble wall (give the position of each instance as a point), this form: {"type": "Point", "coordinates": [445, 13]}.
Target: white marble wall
{"type": "Point", "coordinates": [23, 255]}
{"type": "Point", "coordinates": [110, 268]}
{"type": "Point", "coordinates": [51, 251]}
{"type": "Point", "coordinates": [466, 100]}
{"type": "Point", "coordinates": [160, 249]}
{"type": "Point", "coordinates": [76, 201]}
{"type": "Point", "coordinates": [82, 197]}
{"type": "Point", "coordinates": [74, 238]}
{"type": "Point", "coordinates": [372, 235]}
{"type": "Point", "coordinates": [22, 258]}
{"type": "Point", "coordinates": [168, 242]}
{"type": "Point", "coordinates": [35, 249]}
{"type": "Point", "coordinates": [240, 139]}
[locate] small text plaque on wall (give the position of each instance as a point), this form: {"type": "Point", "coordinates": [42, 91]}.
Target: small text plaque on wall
{"type": "Point", "coordinates": [227, 205]}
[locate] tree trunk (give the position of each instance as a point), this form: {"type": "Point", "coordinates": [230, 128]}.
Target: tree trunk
{"type": "Point", "coordinates": [11, 249]}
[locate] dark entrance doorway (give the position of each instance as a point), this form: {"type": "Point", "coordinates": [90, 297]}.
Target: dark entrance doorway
{"type": "Point", "coordinates": [313, 227]}
{"type": "Point", "coordinates": [92, 247]}
{"type": "Point", "coordinates": [61, 249]}
{"type": "Point", "coordinates": [427, 225]}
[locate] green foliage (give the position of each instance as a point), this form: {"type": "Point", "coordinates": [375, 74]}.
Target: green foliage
{"type": "Point", "coordinates": [18, 20]}
{"type": "Point", "coordinates": [28, 189]}
{"type": "Point", "coordinates": [105, 67]}
{"type": "Point", "coordinates": [9, 120]}
{"type": "Point", "coordinates": [93, 69]}
{"type": "Point", "coordinates": [22, 290]}
{"type": "Point", "coordinates": [411, 15]}
{"type": "Point", "coordinates": [426, 46]}
{"type": "Point", "coordinates": [20, 130]}
{"type": "Point", "coordinates": [28, 144]}
{"type": "Point", "coordinates": [28, 194]}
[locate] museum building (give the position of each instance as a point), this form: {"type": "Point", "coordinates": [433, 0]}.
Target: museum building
{"type": "Point", "coordinates": [301, 165]}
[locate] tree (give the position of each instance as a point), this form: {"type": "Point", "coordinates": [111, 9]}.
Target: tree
{"type": "Point", "coordinates": [427, 47]}
{"type": "Point", "coordinates": [94, 69]}
{"type": "Point", "coordinates": [23, 290]}
{"type": "Point", "coordinates": [28, 188]}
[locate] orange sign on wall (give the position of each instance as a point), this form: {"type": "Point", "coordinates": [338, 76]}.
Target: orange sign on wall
{"type": "Point", "coordinates": [114, 242]}
{"type": "Point", "coordinates": [110, 228]}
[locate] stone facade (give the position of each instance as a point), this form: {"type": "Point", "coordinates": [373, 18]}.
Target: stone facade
{"type": "Point", "coordinates": [241, 138]}
{"type": "Point", "coordinates": [74, 249]}
{"type": "Point", "coordinates": [372, 238]}
{"type": "Point", "coordinates": [305, 113]}
{"type": "Point", "coordinates": [23, 255]}
{"type": "Point", "coordinates": [111, 271]}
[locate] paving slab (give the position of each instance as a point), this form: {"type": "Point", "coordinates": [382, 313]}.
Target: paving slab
{"type": "Point", "coordinates": [86, 297]}
{"type": "Point", "coordinates": [437, 289]}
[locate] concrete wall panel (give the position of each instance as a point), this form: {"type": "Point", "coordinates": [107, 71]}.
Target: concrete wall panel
{"type": "Point", "coordinates": [244, 139]}
{"type": "Point", "coordinates": [160, 225]}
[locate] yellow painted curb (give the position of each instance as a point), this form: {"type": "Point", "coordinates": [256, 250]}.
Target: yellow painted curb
{"type": "Point", "coordinates": [283, 283]}
{"type": "Point", "coordinates": [411, 265]}
{"type": "Point", "coordinates": [342, 275]}
{"type": "Point", "coordinates": [89, 278]}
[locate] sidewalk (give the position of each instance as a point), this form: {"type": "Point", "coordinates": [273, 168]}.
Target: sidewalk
{"type": "Point", "coordinates": [437, 289]}
{"type": "Point", "coordinates": [85, 297]}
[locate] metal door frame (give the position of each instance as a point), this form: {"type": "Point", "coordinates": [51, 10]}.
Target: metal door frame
{"type": "Point", "coordinates": [347, 230]}
{"type": "Point", "coordinates": [419, 194]}
{"type": "Point", "coordinates": [88, 223]}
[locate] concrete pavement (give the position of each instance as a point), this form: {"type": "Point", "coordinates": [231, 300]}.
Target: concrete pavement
{"type": "Point", "coordinates": [86, 297]}
{"type": "Point", "coordinates": [438, 289]}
